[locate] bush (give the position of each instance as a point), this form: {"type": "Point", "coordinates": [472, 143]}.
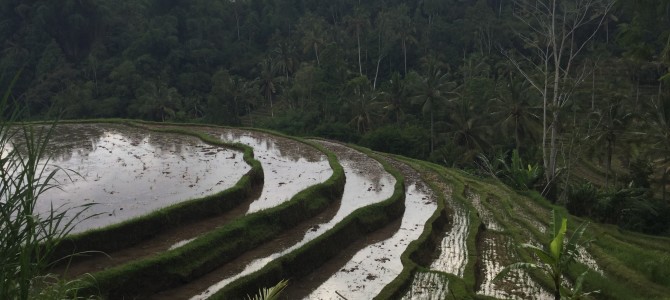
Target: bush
{"type": "Point", "coordinates": [629, 208]}
{"type": "Point", "coordinates": [411, 141]}
{"type": "Point", "coordinates": [293, 122]}
{"type": "Point", "coordinates": [337, 131]}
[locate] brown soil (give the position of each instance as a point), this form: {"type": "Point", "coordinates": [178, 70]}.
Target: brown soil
{"type": "Point", "coordinates": [282, 241]}
{"type": "Point", "coordinates": [98, 261]}
{"type": "Point", "coordinates": [300, 288]}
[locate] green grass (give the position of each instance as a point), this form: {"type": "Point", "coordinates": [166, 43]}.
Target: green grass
{"type": "Point", "coordinates": [127, 233]}
{"type": "Point", "coordinates": [635, 265]}
{"type": "Point", "coordinates": [316, 252]}
{"type": "Point", "coordinates": [217, 247]}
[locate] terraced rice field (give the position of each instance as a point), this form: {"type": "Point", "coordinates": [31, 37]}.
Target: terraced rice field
{"type": "Point", "coordinates": [217, 213]}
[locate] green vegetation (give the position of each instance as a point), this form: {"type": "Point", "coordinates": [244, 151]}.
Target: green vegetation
{"type": "Point", "coordinates": [216, 247]}
{"type": "Point", "coordinates": [271, 293]}
{"type": "Point", "coordinates": [118, 236]}
{"type": "Point", "coordinates": [317, 251]}
{"type": "Point", "coordinates": [555, 257]}
{"type": "Point", "coordinates": [563, 100]}
{"type": "Point", "coordinates": [444, 81]}
{"type": "Point", "coordinates": [28, 240]}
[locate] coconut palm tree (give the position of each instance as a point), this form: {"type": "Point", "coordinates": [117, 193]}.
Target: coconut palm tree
{"type": "Point", "coordinates": [357, 23]}
{"type": "Point", "coordinates": [613, 123]}
{"type": "Point", "coordinates": [513, 111]}
{"type": "Point", "coordinates": [313, 30]}
{"type": "Point", "coordinates": [658, 121]}
{"type": "Point", "coordinates": [269, 81]}
{"type": "Point", "coordinates": [361, 103]}
{"type": "Point", "coordinates": [394, 97]}
{"type": "Point", "coordinates": [431, 92]}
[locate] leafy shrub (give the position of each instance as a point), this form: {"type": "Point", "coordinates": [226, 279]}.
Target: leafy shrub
{"type": "Point", "coordinates": [582, 199]}
{"type": "Point", "coordinates": [411, 141]}
{"type": "Point", "coordinates": [337, 131]}
{"type": "Point", "coordinates": [629, 208]}
{"type": "Point", "coordinates": [518, 175]}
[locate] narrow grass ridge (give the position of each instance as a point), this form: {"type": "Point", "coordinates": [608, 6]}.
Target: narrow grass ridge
{"type": "Point", "coordinates": [188, 262]}
{"type": "Point", "coordinates": [313, 254]}
{"type": "Point", "coordinates": [133, 231]}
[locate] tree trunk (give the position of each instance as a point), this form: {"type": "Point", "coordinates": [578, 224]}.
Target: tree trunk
{"type": "Point", "coordinates": [432, 135]}
{"type": "Point", "coordinates": [557, 286]}
{"type": "Point", "coordinates": [404, 53]}
{"type": "Point", "coordinates": [379, 60]}
{"type": "Point", "coordinates": [237, 23]}
{"type": "Point", "coordinates": [360, 66]}
{"type": "Point", "coordinates": [316, 52]}
{"type": "Point", "coordinates": [608, 166]}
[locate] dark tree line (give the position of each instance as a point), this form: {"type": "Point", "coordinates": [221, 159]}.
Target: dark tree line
{"type": "Point", "coordinates": [432, 79]}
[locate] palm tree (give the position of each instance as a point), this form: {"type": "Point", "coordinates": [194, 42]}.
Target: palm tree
{"type": "Point", "coordinates": [431, 91]}
{"type": "Point", "coordinates": [313, 29]}
{"type": "Point", "coordinates": [658, 121]}
{"type": "Point", "coordinates": [466, 128]}
{"type": "Point", "coordinates": [512, 110]}
{"type": "Point", "coordinates": [356, 24]}
{"type": "Point", "coordinates": [361, 103]}
{"type": "Point", "coordinates": [284, 57]}
{"type": "Point", "coordinates": [269, 81]}
{"type": "Point", "coordinates": [613, 123]}
{"type": "Point", "coordinates": [394, 97]}
{"type": "Point", "coordinates": [406, 33]}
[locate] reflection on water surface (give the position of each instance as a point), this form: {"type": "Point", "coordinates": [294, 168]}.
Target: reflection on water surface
{"type": "Point", "coordinates": [128, 172]}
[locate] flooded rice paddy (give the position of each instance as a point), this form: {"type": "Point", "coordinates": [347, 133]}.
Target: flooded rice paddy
{"type": "Point", "coordinates": [453, 255]}
{"type": "Point", "coordinates": [376, 265]}
{"type": "Point", "coordinates": [485, 215]}
{"type": "Point", "coordinates": [497, 251]}
{"type": "Point", "coordinates": [126, 172]}
{"type": "Point", "coordinates": [366, 183]}
{"type": "Point", "coordinates": [428, 286]}
{"type": "Point", "coordinates": [289, 166]}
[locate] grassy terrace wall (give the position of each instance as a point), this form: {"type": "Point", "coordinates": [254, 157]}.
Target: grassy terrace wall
{"type": "Point", "coordinates": [418, 254]}
{"type": "Point", "coordinates": [186, 263]}
{"type": "Point", "coordinates": [310, 256]}
{"type": "Point", "coordinates": [130, 232]}
{"type": "Point", "coordinates": [420, 251]}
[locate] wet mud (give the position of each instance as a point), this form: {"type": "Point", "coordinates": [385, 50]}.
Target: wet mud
{"type": "Point", "coordinates": [289, 166]}
{"type": "Point", "coordinates": [485, 215]}
{"type": "Point", "coordinates": [376, 265]}
{"type": "Point", "coordinates": [428, 286]}
{"type": "Point", "coordinates": [366, 183]}
{"type": "Point", "coordinates": [496, 251]}
{"type": "Point", "coordinates": [125, 172]}
{"type": "Point", "coordinates": [453, 250]}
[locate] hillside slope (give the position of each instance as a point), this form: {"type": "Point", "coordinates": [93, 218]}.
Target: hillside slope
{"type": "Point", "coordinates": [435, 233]}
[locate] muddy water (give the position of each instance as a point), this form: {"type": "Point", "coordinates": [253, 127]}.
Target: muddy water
{"type": "Point", "coordinates": [289, 166]}
{"type": "Point", "coordinates": [127, 172]}
{"type": "Point", "coordinates": [367, 183]}
{"type": "Point", "coordinates": [497, 251]}
{"type": "Point", "coordinates": [453, 249]}
{"type": "Point", "coordinates": [376, 265]}
{"type": "Point", "coordinates": [428, 286]}
{"type": "Point", "coordinates": [529, 212]}
{"type": "Point", "coordinates": [485, 215]}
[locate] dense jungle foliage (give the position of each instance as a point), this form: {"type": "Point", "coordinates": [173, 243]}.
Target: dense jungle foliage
{"type": "Point", "coordinates": [451, 81]}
